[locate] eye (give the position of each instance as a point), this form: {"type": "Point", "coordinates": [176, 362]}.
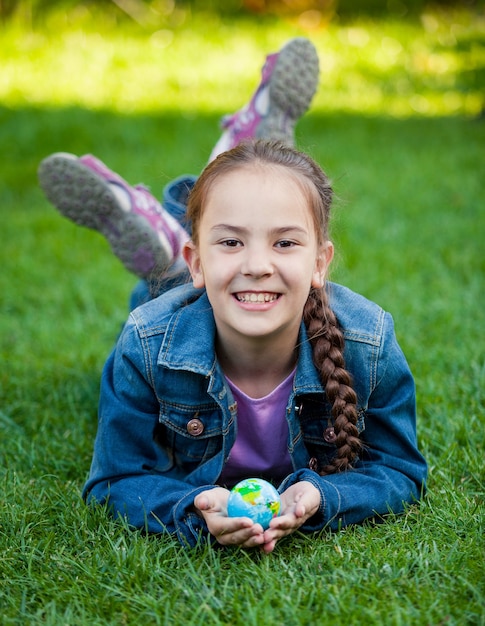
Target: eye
{"type": "Point", "coordinates": [231, 243]}
{"type": "Point", "coordinates": [285, 243]}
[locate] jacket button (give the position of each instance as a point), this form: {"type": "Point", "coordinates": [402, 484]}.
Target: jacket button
{"type": "Point", "coordinates": [329, 435]}
{"type": "Point", "coordinates": [195, 427]}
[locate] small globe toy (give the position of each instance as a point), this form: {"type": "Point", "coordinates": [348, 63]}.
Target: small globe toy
{"type": "Point", "coordinates": [254, 498]}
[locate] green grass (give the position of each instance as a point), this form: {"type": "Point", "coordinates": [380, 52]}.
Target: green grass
{"type": "Point", "coordinates": [409, 229]}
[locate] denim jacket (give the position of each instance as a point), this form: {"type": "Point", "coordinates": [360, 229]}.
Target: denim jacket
{"type": "Point", "coordinates": [167, 419]}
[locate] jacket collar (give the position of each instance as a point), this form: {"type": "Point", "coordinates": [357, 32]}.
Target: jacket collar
{"type": "Point", "coordinates": [189, 345]}
{"type": "Point", "coordinates": [307, 379]}
{"type": "Point", "coordinates": [189, 338]}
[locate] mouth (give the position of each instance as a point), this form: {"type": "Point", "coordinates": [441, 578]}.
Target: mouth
{"type": "Point", "coordinates": [253, 297]}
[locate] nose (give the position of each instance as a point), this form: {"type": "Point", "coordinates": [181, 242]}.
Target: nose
{"type": "Point", "coordinates": [257, 262]}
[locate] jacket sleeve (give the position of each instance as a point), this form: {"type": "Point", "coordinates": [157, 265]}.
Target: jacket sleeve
{"type": "Point", "coordinates": [129, 471]}
{"type": "Point", "coordinates": [391, 472]}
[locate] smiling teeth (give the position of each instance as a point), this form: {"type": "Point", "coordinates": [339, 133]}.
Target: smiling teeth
{"type": "Point", "coordinates": [256, 297]}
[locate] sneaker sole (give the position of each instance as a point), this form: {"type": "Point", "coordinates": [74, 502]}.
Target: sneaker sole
{"type": "Point", "coordinates": [292, 85]}
{"type": "Point", "coordinates": [86, 199]}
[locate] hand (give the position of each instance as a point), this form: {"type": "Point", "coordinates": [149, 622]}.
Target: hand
{"type": "Point", "coordinates": [298, 503]}
{"type": "Point", "coordinates": [236, 531]}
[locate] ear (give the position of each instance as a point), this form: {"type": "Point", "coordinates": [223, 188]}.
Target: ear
{"type": "Point", "coordinates": [323, 260]}
{"type": "Point", "coordinates": [192, 258]}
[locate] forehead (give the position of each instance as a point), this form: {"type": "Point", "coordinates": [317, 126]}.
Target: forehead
{"type": "Point", "coordinates": [259, 184]}
{"type": "Point", "coordinates": [260, 172]}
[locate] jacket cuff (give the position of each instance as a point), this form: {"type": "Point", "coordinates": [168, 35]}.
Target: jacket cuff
{"type": "Point", "coordinates": [190, 527]}
{"type": "Point", "coordinates": [330, 499]}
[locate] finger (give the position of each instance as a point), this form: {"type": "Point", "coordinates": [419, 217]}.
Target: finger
{"type": "Point", "coordinates": [245, 537]}
{"type": "Point", "coordinates": [202, 502]}
{"type": "Point", "coordinates": [269, 546]}
{"type": "Point", "coordinates": [288, 521]}
{"type": "Point", "coordinates": [300, 510]}
{"type": "Point", "coordinates": [229, 526]}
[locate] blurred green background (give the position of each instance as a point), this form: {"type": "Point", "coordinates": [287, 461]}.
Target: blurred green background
{"type": "Point", "coordinates": [378, 56]}
{"type": "Point", "coordinates": [398, 124]}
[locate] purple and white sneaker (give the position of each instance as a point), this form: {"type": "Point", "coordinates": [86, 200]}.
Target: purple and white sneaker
{"type": "Point", "coordinates": [146, 238]}
{"type": "Point", "coordinates": [288, 83]}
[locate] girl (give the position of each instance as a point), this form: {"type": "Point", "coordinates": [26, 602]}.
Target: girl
{"type": "Point", "coordinates": [260, 367]}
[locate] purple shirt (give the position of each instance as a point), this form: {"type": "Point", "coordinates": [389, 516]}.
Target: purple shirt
{"type": "Point", "coordinates": [261, 446]}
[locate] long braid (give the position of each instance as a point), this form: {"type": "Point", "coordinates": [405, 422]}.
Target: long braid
{"type": "Point", "coordinates": [328, 343]}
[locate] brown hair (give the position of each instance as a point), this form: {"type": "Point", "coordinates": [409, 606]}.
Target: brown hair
{"type": "Point", "coordinates": [322, 326]}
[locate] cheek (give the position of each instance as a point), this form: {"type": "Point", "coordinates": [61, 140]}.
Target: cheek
{"type": "Point", "coordinates": [211, 271]}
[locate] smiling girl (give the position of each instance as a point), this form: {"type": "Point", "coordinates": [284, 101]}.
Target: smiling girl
{"type": "Point", "coordinates": [240, 359]}
{"type": "Point", "coordinates": [259, 368]}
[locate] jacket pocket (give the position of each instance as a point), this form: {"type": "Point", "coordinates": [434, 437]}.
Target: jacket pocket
{"type": "Point", "coordinates": [189, 435]}
{"type": "Point", "coordinates": [317, 429]}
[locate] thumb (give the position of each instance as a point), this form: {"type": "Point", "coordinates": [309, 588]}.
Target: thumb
{"type": "Point", "coordinates": [202, 502]}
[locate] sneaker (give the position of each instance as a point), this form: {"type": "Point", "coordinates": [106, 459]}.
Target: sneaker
{"type": "Point", "coordinates": [288, 83]}
{"type": "Point", "coordinates": [140, 232]}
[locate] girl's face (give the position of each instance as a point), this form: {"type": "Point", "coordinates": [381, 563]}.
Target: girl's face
{"type": "Point", "coordinates": [257, 255]}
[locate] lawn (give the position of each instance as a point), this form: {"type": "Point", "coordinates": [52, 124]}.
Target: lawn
{"type": "Point", "coordinates": [398, 124]}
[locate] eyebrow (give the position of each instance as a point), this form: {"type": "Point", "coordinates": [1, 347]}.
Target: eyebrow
{"type": "Point", "coordinates": [274, 231]}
